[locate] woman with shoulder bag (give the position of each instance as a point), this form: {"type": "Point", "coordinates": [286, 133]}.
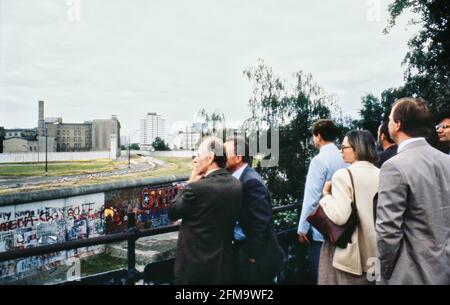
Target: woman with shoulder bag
{"type": "Point", "coordinates": [356, 186]}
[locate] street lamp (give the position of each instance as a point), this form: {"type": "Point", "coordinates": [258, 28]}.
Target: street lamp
{"type": "Point", "coordinates": [46, 147]}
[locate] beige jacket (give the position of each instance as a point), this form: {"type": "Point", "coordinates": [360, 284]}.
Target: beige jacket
{"type": "Point", "coordinates": [355, 257]}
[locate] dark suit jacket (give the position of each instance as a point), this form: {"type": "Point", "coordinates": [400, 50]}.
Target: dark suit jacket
{"type": "Point", "coordinates": [256, 220]}
{"type": "Point", "coordinates": [386, 155]}
{"type": "Point", "coordinates": [209, 209]}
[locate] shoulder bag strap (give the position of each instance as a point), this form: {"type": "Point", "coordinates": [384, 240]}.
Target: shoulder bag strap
{"type": "Point", "coordinates": [353, 190]}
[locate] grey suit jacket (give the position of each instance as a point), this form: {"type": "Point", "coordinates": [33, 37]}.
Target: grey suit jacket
{"type": "Point", "coordinates": [413, 216]}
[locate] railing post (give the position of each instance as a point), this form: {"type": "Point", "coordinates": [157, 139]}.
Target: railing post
{"type": "Point", "coordinates": [131, 249]}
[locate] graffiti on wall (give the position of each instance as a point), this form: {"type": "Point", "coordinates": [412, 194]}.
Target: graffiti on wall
{"type": "Point", "coordinates": [54, 221]}
{"type": "Point", "coordinates": [150, 205]}
{"type": "Point", "coordinates": [48, 222]}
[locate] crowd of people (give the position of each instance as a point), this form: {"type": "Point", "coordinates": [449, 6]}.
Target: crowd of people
{"type": "Point", "coordinates": [398, 186]}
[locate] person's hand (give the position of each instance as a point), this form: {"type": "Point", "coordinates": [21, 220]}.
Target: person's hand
{"type": "Point", "coordinates": [327, 188]}
{"type": "Point", "coordinates": [195, 176]}
{"type": "Point", "coordinates": [251, 260]}
{"type": "Point", "coordinates": [302, 238]}
{"type": "Point", "coordinates": [180, 186]}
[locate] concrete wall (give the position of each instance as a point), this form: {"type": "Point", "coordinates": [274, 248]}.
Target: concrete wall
{"type": "Point", "coordinates": [47, 222]}
{"type": "Point", "coordinates": [54, 156]}
{"type": "Point", "coordinates": [54, 216]}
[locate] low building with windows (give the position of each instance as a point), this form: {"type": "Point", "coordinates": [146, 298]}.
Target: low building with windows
{"type": "Point", "coordinates": [20, 144]}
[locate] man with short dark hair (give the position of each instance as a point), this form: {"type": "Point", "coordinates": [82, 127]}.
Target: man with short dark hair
{"type": "Point", "coordinates": [443, 128]}
{"type": "Point", "coordinates": [321, 169]}
{"type": "Point", "coordinates": [386, 144]}
{"type": "Point", "coordinates": [413, 227]}
{"type": "Point", "coordinates": [208, 206]}
{"type": "Point", "coordinates": [259, 256]}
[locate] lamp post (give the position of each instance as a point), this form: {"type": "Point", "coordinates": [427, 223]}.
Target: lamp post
{"type": "Point", "coordinates": [46, 146]}
{"type": "Point", "coordinates": [46, 149]}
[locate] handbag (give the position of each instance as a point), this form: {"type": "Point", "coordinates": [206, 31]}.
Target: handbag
{"type": "Point", "coordinates": [337, 235]}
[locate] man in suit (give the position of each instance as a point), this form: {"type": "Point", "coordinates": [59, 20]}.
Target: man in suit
{"type": "Point", "coordinates": [413, 227]}
{"type": "Point", "coordinates": [260, 257]}
{"type": "Point", "coordinates": [208, 206]}
{"type": "Point", "coordinates": [386, 144]}
{"type": "Point", "coordinates": [443, 128]}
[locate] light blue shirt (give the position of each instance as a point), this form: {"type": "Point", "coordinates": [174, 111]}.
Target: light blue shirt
{"type": "Point", "coordinates": [238, 232]}
{"type": "Point", "coordinates": [321, 169]}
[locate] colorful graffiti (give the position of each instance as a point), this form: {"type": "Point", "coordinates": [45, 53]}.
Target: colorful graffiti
{"type": "Point", "coordinates": [54, 221]}
{"type": "Point", "coordinates": [48, 222]}
{"type": "Point", "coordinates": [150, 205]}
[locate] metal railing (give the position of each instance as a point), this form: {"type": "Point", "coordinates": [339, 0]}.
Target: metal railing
{"type": "Point", "coordinates": [132, 234]}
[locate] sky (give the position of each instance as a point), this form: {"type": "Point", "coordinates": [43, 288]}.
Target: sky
{"type": "Point", "coordinates": [90, 59]}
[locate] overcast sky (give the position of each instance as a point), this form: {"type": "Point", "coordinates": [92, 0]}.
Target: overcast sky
{"type": "Point", "coordinates": [174, 57]}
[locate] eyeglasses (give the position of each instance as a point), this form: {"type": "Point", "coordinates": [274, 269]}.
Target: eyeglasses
{"type": "Point", "coordinates": [442, 126]}
{"type": "Point", "coordinates": [345, 147]}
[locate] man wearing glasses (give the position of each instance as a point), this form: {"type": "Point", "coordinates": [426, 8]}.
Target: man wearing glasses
{"type": "Point", "coordinates": [443, 128]}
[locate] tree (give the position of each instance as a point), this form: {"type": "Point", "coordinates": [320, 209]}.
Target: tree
{"type": "Point", "coordinates": [292, 107]}
{"type": "Point", "coordinates": [428, 59]}
{"type": "Point", "coordinates": [135, 146]}
{"type": "Point", "coordinates": [371, 113]}
{"type": "Point", "coordinates": [211, 122]}
{"type": "Point", "coordinates": [159, 144]}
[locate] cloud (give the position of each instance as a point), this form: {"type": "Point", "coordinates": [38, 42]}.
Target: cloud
{"type": "Point", "coordinates": [175, 57]}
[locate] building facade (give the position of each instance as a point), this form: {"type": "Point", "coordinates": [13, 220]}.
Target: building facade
{"type": "Point", "coordinates": [96, 135]}
{"type": "Point", "coordinates": [187, 139]}
{"type": "Point", "coordinates": [72, 136]}
{"type": "Point", "coordinates": [152, 126]}
{"type": "Point", "coordinates": [19, 144]}
{"type": "Point", "coordinates": [53, 135]}
{"type": "Point", "coordinates": [106, 134]}
{"type": "Point", "coordinates": [19, 132]}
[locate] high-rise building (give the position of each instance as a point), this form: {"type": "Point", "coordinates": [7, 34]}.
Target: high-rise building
{"type": "Point", "coordinates": [152, 126]}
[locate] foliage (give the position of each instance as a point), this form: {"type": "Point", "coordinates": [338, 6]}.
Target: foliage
{"type": "Point", "coordinates": [428, 59]}
{"type": "Point", "coordinates": [376, 110]}
{"type": "Point", "coordinates": [159, 144]}
{"type": "Point", "coordinates": [134, 146]}
{"type": "Point", "coordinates": [292, 108]}
{"type": "Point", "coordinates": [212, 122]}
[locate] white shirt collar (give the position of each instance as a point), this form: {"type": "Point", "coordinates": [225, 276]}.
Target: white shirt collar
{"type": "Point", "coordinates": [402, 145]}
{"type": "Point", "coordinates": [237, 174]}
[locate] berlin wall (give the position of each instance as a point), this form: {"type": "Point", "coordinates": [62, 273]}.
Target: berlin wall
{"type": "Point", "coordinates": [42, 218]}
